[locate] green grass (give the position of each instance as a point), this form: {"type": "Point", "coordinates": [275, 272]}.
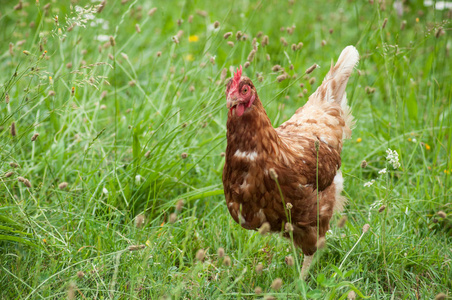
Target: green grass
{"type": "Point", "coordinates": [127, 101]}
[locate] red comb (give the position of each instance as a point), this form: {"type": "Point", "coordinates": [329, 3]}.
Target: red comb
{"type": "Point", "coordinates": [237, 76]}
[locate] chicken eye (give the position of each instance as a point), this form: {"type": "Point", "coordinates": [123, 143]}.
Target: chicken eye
{"type": "Point", "coordinates": [245, 90]}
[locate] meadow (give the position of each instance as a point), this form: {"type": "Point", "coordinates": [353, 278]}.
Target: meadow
{"type": "Point", "coordinates": [113, 130]}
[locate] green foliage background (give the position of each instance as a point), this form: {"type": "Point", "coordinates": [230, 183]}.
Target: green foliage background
{"type": "Point", "coordinates": [132, 128]}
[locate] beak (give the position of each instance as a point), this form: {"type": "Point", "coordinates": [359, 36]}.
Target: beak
{"type": "Point", "coordinates": [231, 102]}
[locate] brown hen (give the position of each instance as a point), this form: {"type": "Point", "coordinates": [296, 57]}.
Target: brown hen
{"type": "Point", "coordinates": [302, 156]}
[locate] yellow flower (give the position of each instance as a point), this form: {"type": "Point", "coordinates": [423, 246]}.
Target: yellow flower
{"type": "Point", "coordinates": [148, 243]}
{"type": "Point", "coordinates": [193, 38]}
{"type": "Point", "coordinates": [417, 20]}
{"type": "Point", "coordinates": [45, 241]}
{"type": "Point", "coordinates": [409, 139]}
{"type": "Point", "coordinates": [427, 146]}
{"type": "Point", "coordinates": [359, 140]}
{"type": "Point", "coordinates": [189, 57]}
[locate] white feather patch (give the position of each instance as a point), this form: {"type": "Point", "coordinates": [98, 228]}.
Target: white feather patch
{"type": "Point", "coordinates": [251, 156]}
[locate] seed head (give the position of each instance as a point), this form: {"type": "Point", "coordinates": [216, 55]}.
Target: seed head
{"type": "Point", "coordinates": [231, 44]}
{"type": "Point", "coordinates": [289, 261]}
{"type": "Point", "coordinates": [363, 164]}
{"type": "Point", "coordinates": [19, 6]}
{"type": "Point", "coordinates": [227, 261]}
{"type": "Point", "coordinates": [7, 98]}
{"type": "Point", "coordinates": [224, 73]}
{"type": "Point", "coordinates": [267, 57]}
{"type": "Point", "coordinates": [202, 13]}
{"type": "Point", "coordinates": [13, 129]}
{"type": "Point", "coordinates": [321, 243]}
{"type": "Point", "coordinates": [288, 227]}
{"type": "Point", "coordinates": [238, 35]}
{"type": "Point", "coordinates": [264, 41]}
{"type": "Point", "coordinates": [221, 252]}
{"type": "Point", "coordinates": [317, 145]}
{"type": "Point", "coordinates": [258, 290]}
{"type": "Point", "coordinates": [14, 165]}
{"type": "Point", "coordinates": [312, 81]}
{"type": "Point", "coordinates": [152, 11]}
{"type": "Point", "coordinates": [137, 28]}
{"type": "Point", "coordinates": [294, 47]}
{"type": "Point", "coordinates": [323, 43]}
{"type": "Point", "coordinates": [385, 21]}
{"type": "Point", "coordinates": [136, 247]}
{"type": "Point", "coordinates": [112, 41]}
{"type": "Point", "coordinates": [80, 274]}
{"type": "Point", "coordinates": [402, 25]}
{"type": "Point", "coordinates": [184, 155]}
{"type": "Point", "coordinates": [63, 185]}
{"type": "Point", "coordinates": [342, 221]}
{"type": "Point", "coordinates": [259, 268]}
{"type": "Point", "coordinates": [439, 32]}
{"type": "Point", "coordinates": [27, 183]}
{"type": "Point", "coordinates": [251, 55]}
{"type": "Point", "coordinates": [311, 68]}
{"type": "Point", "coordinates": [289, 206]}
{"type": "Point", "coordinates": [147, 154]}
{"type": "Point", "coordinates": [273, 174]}
{"type": "Point", "coordinates": [382, 208]}
{"type": "Point", "coordinates": [300, 45]}
{"type": "Point", "coordinates": [139, 220]}
{"type": "Point", "coordinates": [172, 218]}
{"type": "Point", "coordinates": [8, 174]}
{"type": "Point", "coordinates": [216, 24]}
{"type": "Point", "coordinates": [190, 19]}
{"type": "Point", "coordinates": [101, 6]}
{"type": "Point", "coordinates": [179, 205]}
{"type": "Point", "coordinates": [265, 228]}
{"type": "Point", "coordinates": [277, 283]}
{"type": "Point", "coordinates": [269, 297]}
{"type": "Point", "coordinates": [276, 68]}
{"type": "Point", "coordinates": [351, 295]}
{"type": "Point", "coordinates": [440, 296]}
{"type": "Point", "coordinates": [284, 42]}
{"type": "Point", "coordinates": [71, 291]}
{"type": "Point", "coordinates": [200, 255]}
{"type": "Point", "coordinates": [247, 64]}
{"type": "Point", "coordinates": [441, 214]}
{"type": "Point", "coordinates": [227, 35]}
{"type": "Point", "coordinates": [281, 77]}
{"type": "Point", "coordinates": [366, 228]}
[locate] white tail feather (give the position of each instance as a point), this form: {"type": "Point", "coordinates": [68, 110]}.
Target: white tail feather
{"type": "Point", "coordinates": [336, 79]}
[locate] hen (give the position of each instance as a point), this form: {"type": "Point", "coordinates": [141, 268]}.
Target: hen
{"type": "Point", "coordinates": [302, 156]}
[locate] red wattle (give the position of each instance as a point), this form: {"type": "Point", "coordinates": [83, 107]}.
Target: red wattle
{"type": "Point", "coordinates": [240, 109]}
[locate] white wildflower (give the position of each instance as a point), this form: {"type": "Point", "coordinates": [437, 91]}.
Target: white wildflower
{"type": "Point", "coordinates": [393, 158]}
{"type": "Point", "coordinates": [367, 184]}
{"type": "Point", "coordinates": [105, 191]}
{"type": "Point", "coordinates": [383, 171]}
{"type": "Point", "coordinates": [138, 178]}
{"type": "Point", "coordinates": [103, 38]}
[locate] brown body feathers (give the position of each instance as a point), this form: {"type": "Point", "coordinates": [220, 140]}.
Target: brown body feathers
{"type": "Point", "coordinates": [256, 151]}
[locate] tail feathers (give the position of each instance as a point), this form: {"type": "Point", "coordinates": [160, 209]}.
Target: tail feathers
{"type": "Point", "coordinates": [333, 86]}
